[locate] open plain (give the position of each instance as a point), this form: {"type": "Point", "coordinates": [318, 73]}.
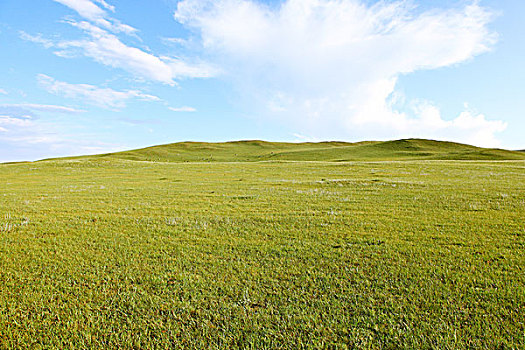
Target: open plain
{"type": "Point", "coordinates": [108, 252]}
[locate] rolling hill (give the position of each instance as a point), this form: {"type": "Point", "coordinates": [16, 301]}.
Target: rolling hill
{"type": "Point", "coordinates": [255, 150]}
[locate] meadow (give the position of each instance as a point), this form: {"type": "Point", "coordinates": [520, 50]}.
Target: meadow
{"type": "Point", "coordinates": [110, 252]}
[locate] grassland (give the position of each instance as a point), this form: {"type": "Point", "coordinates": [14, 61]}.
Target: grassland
{"type": "Point", "coordinates": [108, 252]}
{"type": "Point", "coordinates": [253, 151]}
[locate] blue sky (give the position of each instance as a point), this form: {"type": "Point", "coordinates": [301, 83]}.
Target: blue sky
{"type": "Point", "coordinates": [93, 76]}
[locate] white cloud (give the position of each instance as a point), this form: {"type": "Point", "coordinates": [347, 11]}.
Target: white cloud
{"type": "Point", "coordinates": [51, 108]}
{"type": "Point", "coordinates": [109, 50]}
{"type": "Point", "coordinates": [37, 39]}
{"type": "Point", "coordinates": [330, 67]}
{"type": "Point", "coordinates": [480, 131]}
{"type": "Point", "coordinates": [23, 118]}
{"type": "Point", "coordinates": [85, 8]}
{"type": "Point", "coordinates": [175, 41]}
{"type": "Point", "coordinates": [3, 92]}
{"type": "Point", "coordinates": [8, 120]}
{"type": "Point", "coordinates": [469, 127]}
{"type": "Point", "coordinates": [90, 11]}
{"type": "Point", "coordinates": [103, 97]}
{"type": "Point", "coordinates": [30, 137]}
{"type": "Point", "coordinates": [106, 5]}
{"type": "Point", "coordinates": [31, 131]}
{"type": "Point", "coordinates": [40, 141]}
{"type": "Point", "coordinates": [304, 138]}
{"type": "Point", "coordinates": [10, 124]}
{"type": "Point", "coordinates": [180, 68]}
{"type": "Point", "coordinates": [182, 109]}
{"type": "Point", "coordinates": [22, 108]}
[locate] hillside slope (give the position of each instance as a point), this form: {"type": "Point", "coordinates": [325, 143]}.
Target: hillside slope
{"type": "Point", "coordinates": [250, 151]}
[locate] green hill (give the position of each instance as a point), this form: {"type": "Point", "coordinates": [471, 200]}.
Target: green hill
{"type": "Point", "coordinates": [250, 151]}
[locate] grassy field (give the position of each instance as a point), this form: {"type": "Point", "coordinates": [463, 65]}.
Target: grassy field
{"type": "Point", "coordinates": [107, 252]}
{"type": "Point", "coordinates": [252, 151]}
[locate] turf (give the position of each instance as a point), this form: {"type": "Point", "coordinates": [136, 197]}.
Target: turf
{"type": "Point", "coordinates": [102, 252]}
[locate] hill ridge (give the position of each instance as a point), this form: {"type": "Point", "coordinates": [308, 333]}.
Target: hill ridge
{"type": "Point", "coordinates": [336, 151]}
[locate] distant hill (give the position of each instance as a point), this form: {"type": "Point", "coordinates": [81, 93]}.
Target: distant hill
{"type": "Point", "coordinates": [251, 151]}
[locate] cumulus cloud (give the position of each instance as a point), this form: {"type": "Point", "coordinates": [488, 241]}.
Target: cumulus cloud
{"type": "Point", "coordinates": [330, 67]}
{"type": "Point", "coordinates": [182, 109]}
{"type": "Point", "coordinates": [102, 97]}
{"type": "Point", "coordinates": [90, 11]}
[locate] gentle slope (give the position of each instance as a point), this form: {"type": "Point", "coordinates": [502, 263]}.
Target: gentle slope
{"type": "Point", "coordinates": [249, 151]}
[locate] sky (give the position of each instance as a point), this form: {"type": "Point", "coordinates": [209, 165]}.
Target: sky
{"type": "Point", "coordinates": [95, 76]}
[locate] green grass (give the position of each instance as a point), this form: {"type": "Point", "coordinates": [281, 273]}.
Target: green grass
{"type": "Point", "coordinates": [102, 252]}
{"type": "Point", "coordinates": [243, 151]}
